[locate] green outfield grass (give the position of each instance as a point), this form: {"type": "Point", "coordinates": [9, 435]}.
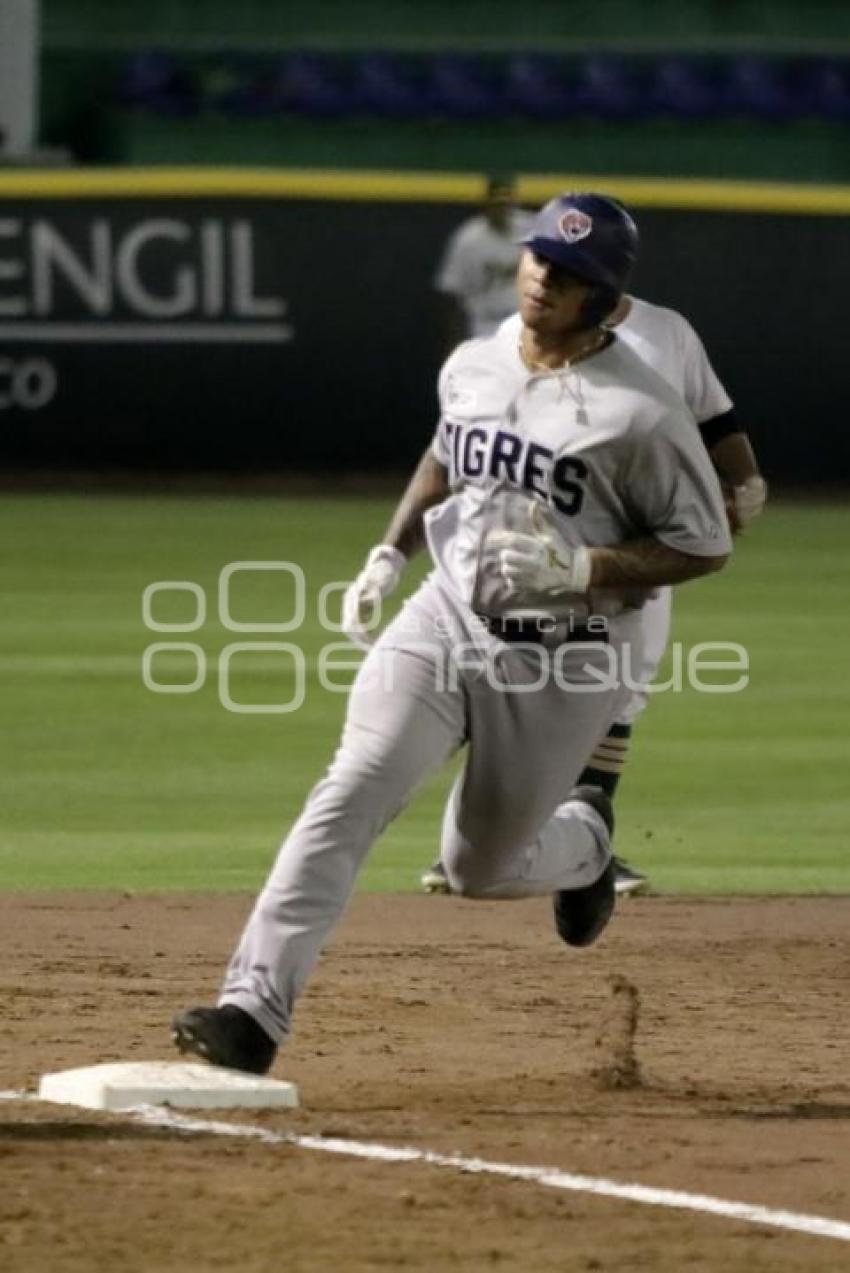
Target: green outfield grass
{"type": "Point", "coordinates": [106, 784]}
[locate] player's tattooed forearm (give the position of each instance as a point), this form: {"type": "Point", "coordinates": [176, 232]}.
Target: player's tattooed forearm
{"type": "Point", "coordinates": [647, 563]}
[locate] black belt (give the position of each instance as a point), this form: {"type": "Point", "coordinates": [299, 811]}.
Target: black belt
{"type": "Point", "coordinates": [544, 630]}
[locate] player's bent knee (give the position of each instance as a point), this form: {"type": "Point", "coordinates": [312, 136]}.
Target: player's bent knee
{"type": "Point", "coordinates": [470, 873]}
{"type": "Point", "coordinates": [463, 886]}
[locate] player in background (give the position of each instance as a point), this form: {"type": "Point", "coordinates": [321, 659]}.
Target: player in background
{"type": "Point", "coordinates": [566, 480]}
{"type": "Point", "coordinates": [667, 342]}
{"type": "Point", "coordinates": [476, 277]}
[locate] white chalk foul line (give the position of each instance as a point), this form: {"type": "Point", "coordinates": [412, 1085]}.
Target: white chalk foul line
{"type": "Point", "coordinates": [819, 1226]}
{"type": "Point", "coordinates": [549, 1177]}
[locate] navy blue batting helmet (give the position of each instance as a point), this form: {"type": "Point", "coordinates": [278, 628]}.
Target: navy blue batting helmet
{"type": "Point", "coordinates": [591, 235]}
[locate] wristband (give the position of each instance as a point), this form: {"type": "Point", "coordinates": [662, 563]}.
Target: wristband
{"type": "Point", "coordinates": [581, 568]}
{"type": "Point", "coordinates": [392, 556]}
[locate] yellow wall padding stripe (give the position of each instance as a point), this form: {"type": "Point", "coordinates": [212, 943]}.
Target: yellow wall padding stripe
{"type": "Point", "coordinates": [418, 187]}
{"type": "Point", "coordinates": [700, 195]}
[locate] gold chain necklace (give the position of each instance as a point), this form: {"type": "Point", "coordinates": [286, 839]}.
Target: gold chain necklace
{"type": "Point", "coordinates": [534, 365]}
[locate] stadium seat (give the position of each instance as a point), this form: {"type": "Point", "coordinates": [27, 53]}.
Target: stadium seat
{"type": "Point", "coordinates": [239, 85]}
{"type": "Point", "coordinates": [757, 86]}
{"type": "Point", "coordinates": [539, 86]}
{"type": "Point", "coordinates": [461, 87]}
{"type": "Point", "coordinates": [683, 87]}
{"type": "Point", "coordinates": [154, 80]}
{"type": "Point", "coordinates": [608, 87]}
{"type": "Point", "coordinates": [389, 86]}
{"type": "Point", "coordinates": [309, 84]}
{"type": "Point", "coordinates": [823, 89]}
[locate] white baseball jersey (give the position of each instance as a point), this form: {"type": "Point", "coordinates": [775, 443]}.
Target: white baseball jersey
{"type": "Point", "coordinates": [608, 448]}
{"type": "Point", "coordinates": [479, 269]}
{"type": "Point", "coordinates": [666, 341]}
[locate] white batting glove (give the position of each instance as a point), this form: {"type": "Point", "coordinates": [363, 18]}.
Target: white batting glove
{"type": "Point", "coordinates": [539, 564]}
{"type": "Point", "coordinates": [361, 604]}
{"type": "Point", "coordinates": [748, 500]}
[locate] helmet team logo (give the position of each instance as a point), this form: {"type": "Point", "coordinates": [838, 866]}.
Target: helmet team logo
{"type": "Point", "coordinates": [575, 225]}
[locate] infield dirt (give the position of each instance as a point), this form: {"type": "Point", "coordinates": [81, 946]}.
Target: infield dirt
{"type": "Point", "coordinates": [699, 1046]}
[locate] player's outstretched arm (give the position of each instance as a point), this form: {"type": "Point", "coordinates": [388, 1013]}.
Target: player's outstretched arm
{"type": "Point", "coordinates": [361, 605]}
{"type": "Point", "coordinates": [428, 486]}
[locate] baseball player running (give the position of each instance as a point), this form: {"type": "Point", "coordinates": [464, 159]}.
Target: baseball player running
{"type": "Point", "coordinates": [667, 342]}
{"type": "Point", "coordinates": [565, 478]}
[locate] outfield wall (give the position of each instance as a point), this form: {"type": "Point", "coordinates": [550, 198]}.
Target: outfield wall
{"type": "Point", "coordinates": [237, 319]}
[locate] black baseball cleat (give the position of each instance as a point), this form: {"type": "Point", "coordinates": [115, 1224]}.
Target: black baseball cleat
{"type": "Point", "coordinates": [225, 1036]}
{"type": "Point", "coordinates": [582, 913]}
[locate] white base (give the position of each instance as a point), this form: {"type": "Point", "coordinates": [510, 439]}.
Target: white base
{"type": "Point", "coordinates": [181, 1084]}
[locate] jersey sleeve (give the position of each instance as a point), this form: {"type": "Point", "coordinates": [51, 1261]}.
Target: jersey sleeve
{"type": "Point", "coordinates": [441, 442]}
{"type": "Point", "coordinates": [440, 445]}
{"type": "Point", "coordinates": [673, 492]}
{"type": "Point", "coordinates": [703, 391]}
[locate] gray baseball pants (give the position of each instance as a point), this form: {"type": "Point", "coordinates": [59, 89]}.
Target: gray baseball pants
{"type": "Point", "coordinates": [529, 717]}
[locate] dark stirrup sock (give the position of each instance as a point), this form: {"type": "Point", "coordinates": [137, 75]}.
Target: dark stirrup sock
{"type": "Point", "coordinates": [608, 760]}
